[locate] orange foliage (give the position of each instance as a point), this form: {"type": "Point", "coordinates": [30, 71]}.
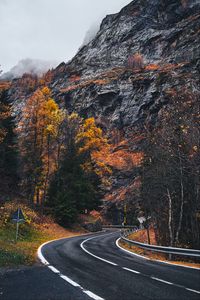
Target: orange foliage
{"type": "Point", "coordinates": [152, 67]}
{"type": "Point", "coordinates": [103, 78]}
{"type": "Point", "coordinates": [28, 82]}
{"type": "Point", "coordinates": [84, 84]}
{"type": "Point", "coordinates": [48, 77]}
{"type": "Point", "coordinates": [121, 159]}
{"type": "Point", "coordinates": [136, 61]}
{"type": "Point", "coordinates": [5, 85]}
{"type": "Point", "coordinates": [164, 67]}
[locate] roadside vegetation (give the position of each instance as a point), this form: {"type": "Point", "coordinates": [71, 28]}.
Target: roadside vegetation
{"type": "Point", "coordinates": [36, 230]}
{"type": "Point", "coordinates": [63, 165]}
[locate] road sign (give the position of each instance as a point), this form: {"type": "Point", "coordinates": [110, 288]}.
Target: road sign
{"type": "Point", "coordinates": [18, 218]}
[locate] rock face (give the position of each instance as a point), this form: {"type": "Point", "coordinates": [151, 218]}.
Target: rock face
{"type": "Point", "coordinates": [99, 81]}
{"type": "Point", "coordinates": [104, 79]}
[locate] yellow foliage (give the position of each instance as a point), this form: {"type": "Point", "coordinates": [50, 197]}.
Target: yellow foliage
{"type": "Point", "coordinates": [91, 141]}
{"type": "Point", "coordinates": [46, 91]}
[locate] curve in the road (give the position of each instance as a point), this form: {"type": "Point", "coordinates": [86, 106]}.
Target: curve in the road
{"type": "Point", "coordinates": [130, 270]}
{"type": "Point", "coordinates": [66, 278]}
{"type": "Point", "coordinates": [69, 258]}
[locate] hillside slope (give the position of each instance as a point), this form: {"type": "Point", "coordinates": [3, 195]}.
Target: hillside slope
{"type": "Point", "coordinates": [106, 81]}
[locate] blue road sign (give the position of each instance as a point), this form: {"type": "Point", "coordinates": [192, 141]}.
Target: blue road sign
{"type": "Point", "coordinates": [18, 216]}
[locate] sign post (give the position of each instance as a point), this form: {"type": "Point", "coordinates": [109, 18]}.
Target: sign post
{"type": "Point", "coordinates": [18, 218]}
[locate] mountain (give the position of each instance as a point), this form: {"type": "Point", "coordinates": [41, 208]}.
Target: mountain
{"type": "Point", "coordinates": [140, 58]}
{"type": "Point", "coordinates": [31, 66]}
{"type": "Point", "coordinates": [98, 80]}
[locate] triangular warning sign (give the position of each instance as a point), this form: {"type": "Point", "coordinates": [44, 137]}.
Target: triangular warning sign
{"type": "Point", "coordinates": [18, 216]}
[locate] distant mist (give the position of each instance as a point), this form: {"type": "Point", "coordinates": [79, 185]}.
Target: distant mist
{"type": "Point", "coordinates": [30, 66]}
{"type": "Point", "coordinates": [91, 33]}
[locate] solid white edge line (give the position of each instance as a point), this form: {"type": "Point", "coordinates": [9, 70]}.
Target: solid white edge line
{"type": "Point", "coordinates": [130, 252]}
{"type": "Point", "coordinates": [130, 270]}
{"type": "Point", "coordinates": [88, 252]}
{"type": "Point", "coordinates": [53, 269]}
{"type": "Point", "coordinates": [194, 291]}
{"type": "Point", "coordinates": [40, 255]}
{"type": "Point", "coordinates": [156, 260]}
{"type": "Point", "coordinates": [161, 280]}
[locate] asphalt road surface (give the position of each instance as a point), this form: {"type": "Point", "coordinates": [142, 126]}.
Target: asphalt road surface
{"type": "Point", "coordinates": [93, 267]}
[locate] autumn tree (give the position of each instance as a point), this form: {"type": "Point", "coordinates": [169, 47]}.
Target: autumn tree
{"type": "Point", "coordinates": [38, 131]}
{"type": "Point", "coordinates": [91, 143]}
{"type": "Point", "coordinates": [135, 61]}
{"type": "Point", "coordinates": [70, 191]}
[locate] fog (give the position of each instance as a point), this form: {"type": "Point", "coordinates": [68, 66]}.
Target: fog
{"type": "Point", "coordinates": [49, 30]}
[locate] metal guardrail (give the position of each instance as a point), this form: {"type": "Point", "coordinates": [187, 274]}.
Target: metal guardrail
{"type": "Point", "coordinates": [168, 250]}
{"type": "Point", "coordinates": [118, 226]}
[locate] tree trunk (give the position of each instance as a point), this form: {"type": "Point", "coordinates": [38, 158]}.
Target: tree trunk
{"type": "Point", "coordinates": [182, 203]}
{"type": "Point", "coordinates": [48, 168]}
{"type": "Point", "coordinates": [170, 222]}
{"type": "Point", "coordinates": [148, 235]}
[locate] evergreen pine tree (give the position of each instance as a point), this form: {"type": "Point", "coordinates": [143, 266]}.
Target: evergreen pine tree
{"type": "Point", "coordinates": [8, 145]}
{"type": "Point", "coordinates": [71, 192]}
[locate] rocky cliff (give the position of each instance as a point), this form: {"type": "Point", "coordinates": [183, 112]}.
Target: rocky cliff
{"type": "Point", "coordinates": [99, 80]}
{"type": "Point", "coordinates": [106, 81]}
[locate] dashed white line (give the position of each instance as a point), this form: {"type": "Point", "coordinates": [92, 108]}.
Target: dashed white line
{"type": "Point", "coordinates": [69, 281]}
{"type": "Point", "coordinates": [92, 295]}
{"type": "Point", "coordinates": [100, 258]}
{"type": "Point", "coordinates": [53, 269]}
{"type": "Point", "coordinates": [161, 280]}
{"type": "Point", "coordinates": [89, 293]}
{"type": "Point", "coordinates": [130, 270]}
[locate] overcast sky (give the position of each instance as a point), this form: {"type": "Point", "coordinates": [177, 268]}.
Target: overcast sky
{"type": "Point", "coordinates": [48, 29]}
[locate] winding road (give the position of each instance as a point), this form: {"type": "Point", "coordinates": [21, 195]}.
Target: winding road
{"type": "Point", "coordinates": [96, 268]}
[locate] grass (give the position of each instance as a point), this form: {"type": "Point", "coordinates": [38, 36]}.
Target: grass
{"type": "Point", "coordinates": [37, 230]}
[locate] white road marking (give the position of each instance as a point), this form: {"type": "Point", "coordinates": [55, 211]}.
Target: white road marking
{"type": "Point", "coordinates": [130, 270]}
{"type": "Point", "coordinates": [130, 252]}
{"type": "Point", "coordinates": [92, 295]}
{"type": "Point", "coordinates": [100, 258]}
{"type": "Point", "coordinates": [70, 281]}
{"type": "Point", "coordinates": [156, 260]}
{"type": "Point", "coordinates": [194, 291]}
{"type": "Point", "coordinates": [161, 280]}
{"type": "Point", "coordinates": [53, 269]}
{"type": "Point", "coordinates": [89, 293]}
{"type": "Point", "coordinates": [40, 256]}
{"type": "Point", "coordinates": [155, 278]}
